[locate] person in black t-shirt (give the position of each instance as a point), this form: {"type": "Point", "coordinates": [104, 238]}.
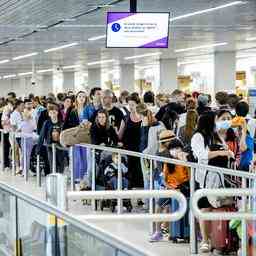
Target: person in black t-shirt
{"type": "Point", "coordinates": [50, 134]}
{"type": "Point", "coordinates": [115, 114]}
{"type": "Point", "coordinates": [177, 104]}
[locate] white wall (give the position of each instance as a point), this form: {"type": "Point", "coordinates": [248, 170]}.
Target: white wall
{"type": "Point", "coordinates": [22, 86]}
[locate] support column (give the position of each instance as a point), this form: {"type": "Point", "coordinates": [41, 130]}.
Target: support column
{"type": "Point", "coordinates": [224, 71]}
{"type": "Point", "coordinates": [69, 81]}
{"type": "Point", "coordinates": [127, 77]}
{"type": "Point", "coordinates": [58, 79]}
{"type": "Point", "coordinates": [47, 84]}
{"type": "Point", "coordinates": [22, 87]}
{"type": "Point", "coordinates": [94, 77]}
{"type": "Point", "coordinates": [168, 75]}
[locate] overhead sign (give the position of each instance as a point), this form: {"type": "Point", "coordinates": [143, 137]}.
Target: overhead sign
{"type": "Point", "coordinates": [137, 30]}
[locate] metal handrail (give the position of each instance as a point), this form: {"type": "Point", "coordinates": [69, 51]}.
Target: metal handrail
{"type": "Point", "coordinates": [151, 158]}
{"type": "Point", "coordinates": [242, 215]}
{"type": "Point", "coordinates": [171, 161]}
{"type": "Point", "coordinates": [131, 194]}
{"type": "Point", "coordinates": [223, 193]}
{"type": "Point", "coordinates": [98, 233]}
{"type": "Point", "coordinates": [160, 159]}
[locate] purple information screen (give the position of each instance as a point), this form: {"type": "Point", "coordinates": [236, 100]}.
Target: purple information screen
{"type": "Point", "coordinates": [137, 30]}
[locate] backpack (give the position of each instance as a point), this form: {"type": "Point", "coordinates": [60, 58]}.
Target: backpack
{"type": "Point", "coordinates": [77, 135]}
{"type": "Point", "coordinates": [177, 177]}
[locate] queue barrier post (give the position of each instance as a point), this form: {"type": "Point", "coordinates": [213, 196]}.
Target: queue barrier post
{"type": "Point", "coordinates": [71, 167]}
{"type": "Point", "coordinates": [2, 151]}
{"type": "Point", "coordinates": [93, 178]}
{"type": "Point", "coordinates": [13, 153]}
{"type": "Point", "coordinates": [119, 185]}
{"type": "Point", "coordinates": [54, 164]}
{"type": "Point", "coordinates": [38, 171]}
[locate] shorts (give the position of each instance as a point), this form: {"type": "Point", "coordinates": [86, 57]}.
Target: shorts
{"type": "Point", "coordinates": [163, 202]}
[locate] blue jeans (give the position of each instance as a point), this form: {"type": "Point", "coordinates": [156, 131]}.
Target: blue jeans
{"type": "Point", "coordinates": [113, 183]}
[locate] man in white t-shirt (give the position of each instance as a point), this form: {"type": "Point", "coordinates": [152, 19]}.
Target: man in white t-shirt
{"type": "Point", "coordinates": [16, 115]}
{"type": "Point", "coordinates": [15, 121]}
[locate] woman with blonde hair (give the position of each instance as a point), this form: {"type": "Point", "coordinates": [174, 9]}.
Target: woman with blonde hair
{"type": "Point", "coordinates": [75, 118]}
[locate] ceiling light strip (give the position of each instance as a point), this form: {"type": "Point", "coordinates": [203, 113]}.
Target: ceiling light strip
{"type": "Point", "coordinates": [96, 38]}
{"type": "Point", "coordinates": [71, 66]}
{"type": "Point", "coordinates": [9, 76]}
{"type": "Point", "coordinates": [25, 56]}
{"type": "Point", "coordinates": [60, 47]}
{"type": "Point", "coordinates": [251, 39]}
{"type": "Point", "coordinates": [200, 47]}
{"type": "Point", "coordinates": [44, 70]}
{"type": "Point", "coordinates": [25, 74]}
{"type": "Point", "coordinates": [100, 62]}
{"type": "Point", "coordinates": [143, 55]}
{"type": "Point", "coordinates": [4, 61]}
{"type": "Point", "coordinates": [207, 10]}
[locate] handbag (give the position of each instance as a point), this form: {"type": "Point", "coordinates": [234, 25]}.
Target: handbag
{"type": "Point", "coordinates": [217, 182]}
{"type": "Point", "coordinates": [76, 135]}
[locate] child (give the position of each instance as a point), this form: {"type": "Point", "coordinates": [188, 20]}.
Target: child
{"type": "Point", "coordinates": [50, 134]}
{"type": "Point", "coordinates": [111, 179]}
{"type": "Point", "coordinates": [27, 127]}
{"type": "Point", "coordinates": [175, 177]}
{"type": "Point", "coordinates": [110, 173]}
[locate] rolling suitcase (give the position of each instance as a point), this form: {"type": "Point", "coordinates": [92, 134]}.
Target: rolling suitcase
{"type": "Point", "coordinates": [222, 238]}
{"type": "Point", "coordinates": [179, 230]}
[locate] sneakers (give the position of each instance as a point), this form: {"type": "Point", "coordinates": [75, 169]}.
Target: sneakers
{"type": "Point", "coordinates": [205, 247]}
{"type": "Point", "coordinates": [156, 237]}
{"type": "Point", "coordinates": [165, 232]}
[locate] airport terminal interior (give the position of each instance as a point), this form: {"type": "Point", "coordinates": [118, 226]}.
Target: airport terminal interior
{"type": "Point", "coordinates": [128, 127]}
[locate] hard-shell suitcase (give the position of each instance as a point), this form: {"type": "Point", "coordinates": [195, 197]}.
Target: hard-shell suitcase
{"type": "Point", "coordinates": [222, 237]}
{"type": "Point", "coordinates": [179, 230]}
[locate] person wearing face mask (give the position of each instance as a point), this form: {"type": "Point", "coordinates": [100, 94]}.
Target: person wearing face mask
{"type": "Point", "coordinates": [201, 145]}
{"type": "Point", "coordinates": [227, 134]}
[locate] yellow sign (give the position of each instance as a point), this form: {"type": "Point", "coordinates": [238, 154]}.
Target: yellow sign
{"type": "Point", "coordinates": [184, 82]}
{"type": "Point", "coordinates": [240, 75]}
{"type": "Point", "coordinates": [52, 220]}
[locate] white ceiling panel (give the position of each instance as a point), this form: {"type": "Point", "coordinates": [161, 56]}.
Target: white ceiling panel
{"type": "Point", "coordinates": [23, 29]}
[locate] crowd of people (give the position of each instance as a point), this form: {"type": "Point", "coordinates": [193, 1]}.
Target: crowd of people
{"type": "Point", "coordinates": [188, 127]}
